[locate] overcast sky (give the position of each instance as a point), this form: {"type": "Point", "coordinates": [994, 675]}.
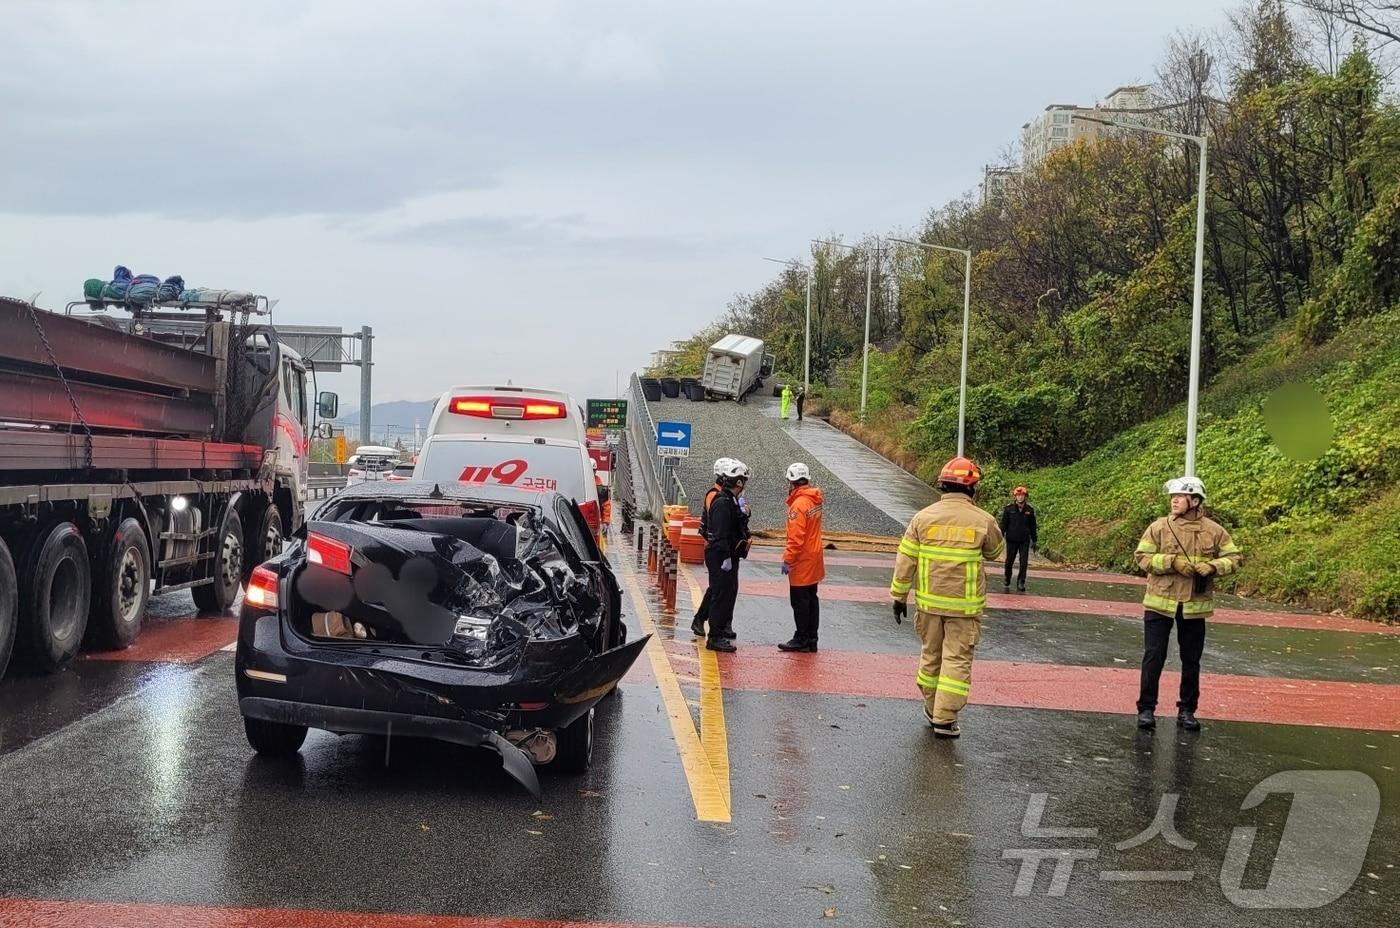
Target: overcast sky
{"type": "Point", "coordinates": [541, 191]}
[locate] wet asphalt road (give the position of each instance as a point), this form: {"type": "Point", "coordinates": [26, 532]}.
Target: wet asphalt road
{"type": "Point", "coordinates": [132, 783]}
{"type": "Point", "coordinates": [756, 789]}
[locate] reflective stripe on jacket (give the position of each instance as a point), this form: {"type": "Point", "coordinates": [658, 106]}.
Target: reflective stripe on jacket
{"type": "Point", "coordinates": [803, 553]}
{"type": "Point", "coordinates": [940, 557]}
{"type": "Point", "coordinates": [1197, 539]}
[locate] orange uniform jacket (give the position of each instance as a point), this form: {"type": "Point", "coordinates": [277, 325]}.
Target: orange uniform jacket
{"type": "Point", "coordinates": [804, 537]}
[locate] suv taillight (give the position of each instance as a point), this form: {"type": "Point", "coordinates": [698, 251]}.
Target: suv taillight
{"type": "Point", "coordinates": [492, 407]}
{"type": "Point", "coordinates": [262, 589]}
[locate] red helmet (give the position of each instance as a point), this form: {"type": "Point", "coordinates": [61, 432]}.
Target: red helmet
{"type": "Point", "coordinates": [961, 471]}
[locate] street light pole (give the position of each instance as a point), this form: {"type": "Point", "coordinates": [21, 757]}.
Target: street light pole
{"type": "Point", "coordinates": [1193, 388]}
{"type": "Point", "coordinates": [807, 344]}
{"type": "Point", "coordinates": [869, 278]}
{"type": "Point", "coordinates": [966, 330]}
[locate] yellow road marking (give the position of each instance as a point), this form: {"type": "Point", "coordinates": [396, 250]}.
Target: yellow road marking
{"type": "Point", "coordinates": [710, 796]}
{"type": "Point", "coordinates": [713, 734]}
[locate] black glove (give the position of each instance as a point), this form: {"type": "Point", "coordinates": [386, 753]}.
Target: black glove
{"type": "Point", "coordinates": [901, 611]}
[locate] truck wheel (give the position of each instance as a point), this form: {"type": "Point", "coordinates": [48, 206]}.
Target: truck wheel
{"type": "Point", "coordinates": [575, 752]}
{"type": "Point", "coordinates": [9, 606]}
{"type": "Point", "coordinates": [55, 594]}
{"type": "Point", "coordinates": [121, 586]}
{"type": "Point", "coordinates": [217, 598]}
{"type": "Point", "coordinates": [267, 543]}
{"type": "Point", "coordinates": [273, 739]}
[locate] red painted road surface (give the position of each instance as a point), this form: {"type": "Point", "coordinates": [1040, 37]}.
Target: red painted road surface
{"type": "Point", "coordinates": [853, 593]}
{"type": "Point", "coordinates": [834, 559]}
{"type": "Point", "coordinates": [45, 913]}
{"type": "Point", "coordinates": [1284, 701]}
{"type": "Point", "coordinates": [175, 641]}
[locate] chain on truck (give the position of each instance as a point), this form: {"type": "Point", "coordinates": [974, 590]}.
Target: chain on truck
{"type": "Point", "coordinates": [143, 449]}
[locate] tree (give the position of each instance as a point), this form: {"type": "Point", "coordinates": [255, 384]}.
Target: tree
{"type": "Point", "coordinates": [1378, 17]}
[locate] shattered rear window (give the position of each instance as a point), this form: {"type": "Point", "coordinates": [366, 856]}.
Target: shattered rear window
{"type": "Point", "coordinates": [478, 580]}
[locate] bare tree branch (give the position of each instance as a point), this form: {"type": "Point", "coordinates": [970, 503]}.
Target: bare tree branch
{"type": "Point", "coordinates": [1378, 17]}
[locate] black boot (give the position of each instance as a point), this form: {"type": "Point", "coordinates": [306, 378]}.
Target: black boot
{"type": "Point", "coordinates": [720, 644]}
{"type": "Point", "coordinates": [728, 634]}
{"type": "Point", "coordinates": [796, 644]}
{"type": "Point", "coordinates": [697, 628]}
{"type": "Point", "coordinates": [1146, 720]}
{"type": "Point", "coordinates": [1186, 719]}
{"type": "Point", "coordinates": [946, 729]}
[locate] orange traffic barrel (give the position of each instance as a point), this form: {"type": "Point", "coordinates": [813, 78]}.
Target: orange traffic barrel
{"type": "Point", "coordinates": [692, 542]}
{"type": "Point", "coordinates": [675, 520]}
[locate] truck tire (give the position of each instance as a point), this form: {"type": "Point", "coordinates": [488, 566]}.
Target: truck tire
{"type": "Point", "coordinates": [273, 739]}
{"type": "Point", "coordinates": [9, 606]}
{"type": "Point", "coordinates": [55, 595]}
{"type": "Point", "coordinates": [217, 598]}
{"type": "Point", "coordinates": [267, 543]}
{"type": "Point", "coordinates": [575, 750]}
{"type": "Point", "coordinates": [121, 587]}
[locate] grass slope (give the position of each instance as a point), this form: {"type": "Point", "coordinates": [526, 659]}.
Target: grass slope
{"type": "Point", "coordinates": [1323, 533]}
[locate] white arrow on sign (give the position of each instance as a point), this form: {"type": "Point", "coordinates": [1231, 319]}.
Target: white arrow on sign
{"type": "Point", "coordinates": [676, 435]}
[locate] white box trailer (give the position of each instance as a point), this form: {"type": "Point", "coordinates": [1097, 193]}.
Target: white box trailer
{"type": "Point", "coordinates": [735, 366]}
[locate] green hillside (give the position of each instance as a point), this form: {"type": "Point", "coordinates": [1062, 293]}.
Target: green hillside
{"type": "Point", "coordinates": [1323, 533]}
{"type": "Point", "coordinates": [1082, 283]}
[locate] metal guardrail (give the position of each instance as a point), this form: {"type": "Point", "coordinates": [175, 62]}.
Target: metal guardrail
{"type": "Point", "coordinates": [642, 429]}
{"type": "Point", "coordinates": [324, 487]}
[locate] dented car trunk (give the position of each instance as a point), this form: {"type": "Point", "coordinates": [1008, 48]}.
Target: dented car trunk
{"type": "Point", "coordinates": [423, 610]}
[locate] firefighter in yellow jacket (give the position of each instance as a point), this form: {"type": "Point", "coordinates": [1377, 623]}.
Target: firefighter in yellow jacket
{"type": "Point", "coordinates": [1181, 554]}
{"type": "Point", "coordinates": [940, 558]}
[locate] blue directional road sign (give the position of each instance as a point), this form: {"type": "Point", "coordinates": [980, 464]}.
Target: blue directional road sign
{"type": "Point", "coordinates": [673, 439]}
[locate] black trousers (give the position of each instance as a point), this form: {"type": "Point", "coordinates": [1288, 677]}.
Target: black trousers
{"type": "Point", "coordinates": [800, 400]}
{"type": "Point", "coordinates": [702, 612]}
{"type": "Point", "coordinates": [724, 590]}
{"type": "Point", "coordinates": [806, 611]}
{"type": "Point", "coordinates": [1190, 642]}
{"type": "Point", "coordinates": [1013, 549]}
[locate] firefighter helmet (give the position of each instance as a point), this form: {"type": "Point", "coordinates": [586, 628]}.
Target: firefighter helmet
{"type": "Point", "coordinates": [962, 472]}
{"type": "Point", "coordinates": [1190, 486]}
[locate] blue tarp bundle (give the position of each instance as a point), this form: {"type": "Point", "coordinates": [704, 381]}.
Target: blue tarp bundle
{"type": "Point", "coordinates": [171, 288]}
{"type": "Point", "coordinates": [142, 288]}
{"type": "Point", "coordinates": [116, 288]}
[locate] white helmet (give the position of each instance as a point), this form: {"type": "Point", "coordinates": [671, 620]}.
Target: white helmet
{"type": "Point", "coordinates": [747, 473]}
{"type": "Point", "coordinates": [1190, 486]}
{"type": "Point", "coordinates": [797, 472]}
{"type": "Point", "coordinates": [733, 469]}
{"type": "Point", "coordinates": [722, 464]}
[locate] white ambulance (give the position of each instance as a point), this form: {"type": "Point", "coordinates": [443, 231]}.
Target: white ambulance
{"type": "Point", "coordinates": [525, 437]}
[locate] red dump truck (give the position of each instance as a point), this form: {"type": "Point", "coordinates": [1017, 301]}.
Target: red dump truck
{"type": "Point", "coordinates": [142, 449]}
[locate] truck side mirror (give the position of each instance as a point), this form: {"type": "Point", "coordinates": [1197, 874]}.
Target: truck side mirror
{"type": "Point", "coordinates": [328, 404]}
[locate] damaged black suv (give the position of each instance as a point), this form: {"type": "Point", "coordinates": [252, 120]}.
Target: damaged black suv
{"type": "Point", "coordinates": [484, 616]}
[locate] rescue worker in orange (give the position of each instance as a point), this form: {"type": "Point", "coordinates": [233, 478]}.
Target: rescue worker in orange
{"type": "Point", "coordinates": [940, 559]}
{"type": "Point", "coordinates": [1181, 554]}
{"type": "Point", "coordinates": [605, 502]}
{"type": "Point", "coordinates": [803, 562]}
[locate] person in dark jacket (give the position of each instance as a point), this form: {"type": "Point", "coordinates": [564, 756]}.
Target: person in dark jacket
{"type": "Point", "coordinates": [724, 541]}
{"type": "Point", "coordinates": [702, 614]}
{"type": "Point", "coordinates": [1019, 529]}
